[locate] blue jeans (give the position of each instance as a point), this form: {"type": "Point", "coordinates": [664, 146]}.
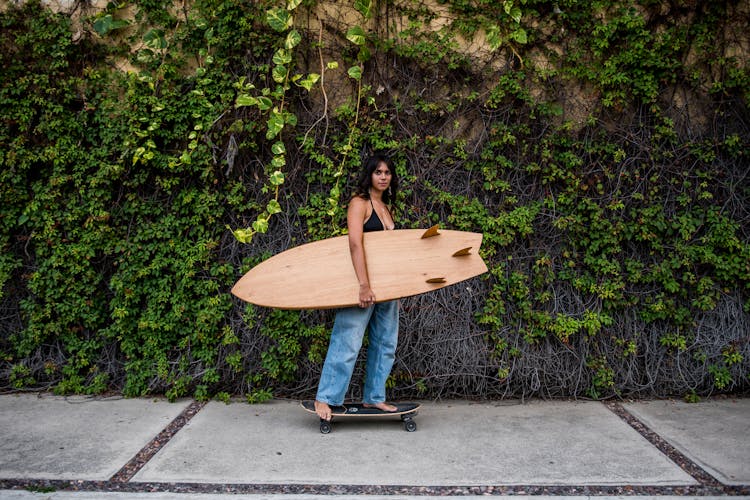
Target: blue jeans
{"type": "Point", "coordinates": [346, 341]}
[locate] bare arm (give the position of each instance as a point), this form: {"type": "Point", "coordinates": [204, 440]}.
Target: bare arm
{"type": "Point", "coordinates": [355, 219]}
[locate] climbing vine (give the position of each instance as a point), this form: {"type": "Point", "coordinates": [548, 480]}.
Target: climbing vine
{"type": "Point", "coordinates": [153, 152]}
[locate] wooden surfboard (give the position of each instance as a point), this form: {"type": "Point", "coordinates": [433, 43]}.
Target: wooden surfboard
{"type": "Point", "coordinates": [400, 263]}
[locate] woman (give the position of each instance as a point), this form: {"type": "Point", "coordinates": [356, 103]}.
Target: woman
{"type": "Point", "coordinates": [368, 211]}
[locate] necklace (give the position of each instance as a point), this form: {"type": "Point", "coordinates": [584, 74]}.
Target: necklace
{"type": "Point", "coordinates": [384, 215]}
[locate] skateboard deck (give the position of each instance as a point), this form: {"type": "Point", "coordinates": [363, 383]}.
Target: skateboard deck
{"type": "Point", "coordinates": [406, 412]}
{"type": "Point", "coordinates": [400, 263]}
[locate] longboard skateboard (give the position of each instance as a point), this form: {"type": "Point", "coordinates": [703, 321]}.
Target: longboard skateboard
{"type": "Point", "coordinates": [406, 411]}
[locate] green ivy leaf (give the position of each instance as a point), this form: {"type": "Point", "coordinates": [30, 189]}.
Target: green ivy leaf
{"type": "Point", "coordinates": [107, 23]}
{"type": "Point", "coordinates": [279, 19]}
{"type": "Point", "coordinates": [278, 161]}
{"type": "Point", "coordinates": [364, 7]}
{"type": "Point", "coordinates": [273, 207]}
{"type": "Point", "coordinates": [290, 119]}
{"type": "Point", "coordinates": [243, 235]}
{"type": "Point", "coordinates": [278, 148]}
{"type": "Point", "coordinates": [275, 125]}
{"type": "Point", "coordinates": [261, 225]}
{"type": "Point", "coordinates": [245, 100]}
{"type": "Point", "coordinates": [494, 39]}
{"type": "Point", "coordinates": [519, 35]}
{"type": "Point", "coordinates": [264, 103]}
{"type": "Point", "coordinates": [145, 56]}
{"type": "Point", "coordinates": [293, 38]}
{"type": "Point", "coordinates": [356, 35]}
{"type": "Point", "coordinates": [282, 57]}
{"type": "Point", "coordinates": [279, 74]}
{"type": "Point", "coordinates": [308, 82]}
{"type": "Point", "coordinates": [138, 153]}
{"type": "Point", "coordinates": [154, 39]}
{"type": "Point", "coordinates": [332, 206]}
{"type": "Point", "coordinates": [355, 72]}
{"type": "Point", "coordinates": [277, 178]}
{"type": "Point", "coordinates": [515, 14]}
{"type": "Point", "coordinates": [364, 54]}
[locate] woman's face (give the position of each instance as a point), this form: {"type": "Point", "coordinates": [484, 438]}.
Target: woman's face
{"type": "Point", "coordinates": [381, 177]}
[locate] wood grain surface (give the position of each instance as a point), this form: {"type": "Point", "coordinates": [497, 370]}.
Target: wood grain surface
{"type": "Point", "coordinates": [400, 263]}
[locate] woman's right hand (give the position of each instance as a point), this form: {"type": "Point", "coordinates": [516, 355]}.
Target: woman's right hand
{"type": "Point", "coordinates": [366, 296]}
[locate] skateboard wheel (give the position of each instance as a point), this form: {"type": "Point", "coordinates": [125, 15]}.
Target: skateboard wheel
{"type": "Point", "coordinates": [410, 425]}
{"type": "Point", "coordinates": [325, 427]}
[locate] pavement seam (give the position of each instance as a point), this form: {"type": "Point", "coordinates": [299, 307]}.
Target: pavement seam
{"type": "Point", "coordinates": [350, 490]}
{"type": "Point", "coordinates": [680, 459]}
{"type": "Point", "coordinates": [135, 464]}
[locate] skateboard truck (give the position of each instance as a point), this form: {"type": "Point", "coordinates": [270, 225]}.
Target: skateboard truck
{"type": "Point", "coordinates": [408, 419]}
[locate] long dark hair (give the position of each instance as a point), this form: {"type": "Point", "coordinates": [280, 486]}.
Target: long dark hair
{"type": "Point", "coordinates": [364, 181]}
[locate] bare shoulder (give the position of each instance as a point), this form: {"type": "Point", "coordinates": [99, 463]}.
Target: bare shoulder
{"type": "Point", "coordinates": [358, 201]}
{"type": "Point", "coordinates": [356, 215]}
{"type": "Point", "coordinates": [358, 205]}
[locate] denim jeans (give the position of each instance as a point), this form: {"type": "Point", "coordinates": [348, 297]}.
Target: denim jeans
{"type": "Point", "coordinates": [346, 341]}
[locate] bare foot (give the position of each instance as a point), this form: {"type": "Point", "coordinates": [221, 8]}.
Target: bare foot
{"type": "Point", "coordinates": [323, 410]}
{"type": "Point", "coordinates": [381, 406]}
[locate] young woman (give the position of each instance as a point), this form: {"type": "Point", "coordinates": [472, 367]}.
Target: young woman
{"type": "Point", "coordinates": [368, 211]}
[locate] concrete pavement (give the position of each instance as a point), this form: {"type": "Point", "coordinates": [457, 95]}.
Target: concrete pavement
{"type": "Point", "coordinates": [113, 448]}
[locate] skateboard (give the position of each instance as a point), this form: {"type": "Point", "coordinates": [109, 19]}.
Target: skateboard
{"type": "Point", "coordinates": [406, 411]}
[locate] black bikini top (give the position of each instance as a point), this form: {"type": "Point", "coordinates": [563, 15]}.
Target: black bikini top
{"type": "Point", "coordinates": [373, 223]}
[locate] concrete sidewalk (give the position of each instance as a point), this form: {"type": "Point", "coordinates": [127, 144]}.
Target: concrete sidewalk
{"type": "Point", "coordinates": [113, 448]}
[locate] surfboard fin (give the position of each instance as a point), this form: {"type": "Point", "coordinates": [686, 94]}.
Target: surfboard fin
{"type": "Point", "coordinates": [462, 252]}
{"type": "Point", "coordinates": [433, 231]}
{"type": "Point", "coordinates": [436, 280]}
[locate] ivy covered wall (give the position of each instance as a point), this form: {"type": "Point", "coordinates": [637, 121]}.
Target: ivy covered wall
{"type": "Point", "coordinates": [152, 152]}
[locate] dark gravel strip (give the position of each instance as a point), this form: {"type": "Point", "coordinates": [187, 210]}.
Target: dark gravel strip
{"type": "Point", "coordinates": [685, 463]}
{"type": "Point", "coordinates": [349, 490]}
{"type": "Point", "coordinates": [136, 463]}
